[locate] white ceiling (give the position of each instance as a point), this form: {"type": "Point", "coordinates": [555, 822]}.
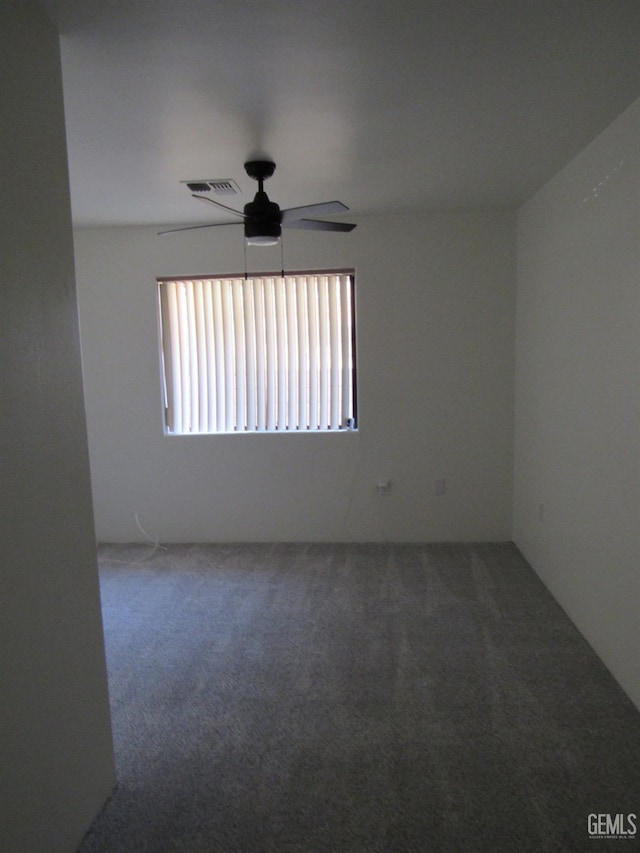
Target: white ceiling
{"type": "Point", "coordinates": [387, 105]}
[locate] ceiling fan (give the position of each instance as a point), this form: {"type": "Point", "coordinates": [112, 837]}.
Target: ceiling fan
{"type": "Point", "coordinates": [262, 218]}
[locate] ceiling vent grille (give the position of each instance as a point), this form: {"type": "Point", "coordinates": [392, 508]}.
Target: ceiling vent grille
{"type": "Point", "coordinates": [217, 186]}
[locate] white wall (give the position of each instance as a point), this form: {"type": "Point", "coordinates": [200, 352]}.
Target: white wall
{"type": "Point", "coordinates": [435, 310]}
{"type": "Point", "coordinates": [56, 763]}
{"type": "Point", "coordinates": [577, 449]}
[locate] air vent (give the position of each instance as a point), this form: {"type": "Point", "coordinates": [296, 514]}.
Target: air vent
{"type": "Point", "coordinates": [217, 186]}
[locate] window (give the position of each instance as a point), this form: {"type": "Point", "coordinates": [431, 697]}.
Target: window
{"type": "Point", "coordinates": [259, 354]}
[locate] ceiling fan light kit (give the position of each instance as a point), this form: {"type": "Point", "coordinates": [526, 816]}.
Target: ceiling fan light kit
{"type": "Point", "coordinates": [263, 239]}
{"type": "Point", "coordinates": [262, 218]}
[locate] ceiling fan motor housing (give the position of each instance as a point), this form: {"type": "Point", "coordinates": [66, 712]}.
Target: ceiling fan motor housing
{"type": "Point", "coordinates": [263, 217]}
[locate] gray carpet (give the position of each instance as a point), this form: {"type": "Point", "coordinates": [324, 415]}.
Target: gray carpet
{"type": "Point", "coordinates": [355, 698]}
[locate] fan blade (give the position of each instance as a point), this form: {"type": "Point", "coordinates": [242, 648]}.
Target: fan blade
{"type": "Point", "coordinates": [218, 204]}
{"type": "Point", "coordinates": [319, 225]}
{"type": "Point", "coordinates": [194, 227]}
{"type": "Point", "coordinates": [325, 208]}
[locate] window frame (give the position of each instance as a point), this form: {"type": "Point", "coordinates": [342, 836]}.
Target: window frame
{"type": "Point", "coordinates": [347, 424]}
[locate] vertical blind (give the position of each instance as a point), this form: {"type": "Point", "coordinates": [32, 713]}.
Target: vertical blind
{"type": "Point", "coordinates": [258, 354]}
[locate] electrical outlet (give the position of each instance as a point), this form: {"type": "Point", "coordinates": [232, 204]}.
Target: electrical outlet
{"type": "Point", "coordinates": [440, 487]}
{"type": "Point", "coordinates": [384, 488]}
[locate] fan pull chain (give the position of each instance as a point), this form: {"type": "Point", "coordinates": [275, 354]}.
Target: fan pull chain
{"type": "Point", "coordinates": [244, 246]}
{"type": "Point", "coordinates": [282, 254]}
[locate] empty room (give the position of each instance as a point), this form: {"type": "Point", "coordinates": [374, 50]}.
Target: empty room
{"type": "Point", "coordinates": [321, 460]}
